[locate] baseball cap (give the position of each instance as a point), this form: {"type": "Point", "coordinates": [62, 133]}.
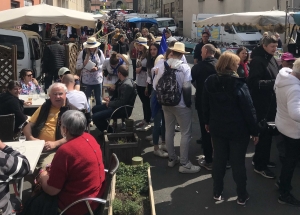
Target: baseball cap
{"type": "Point", "coordinates": [63, 70]}
{"type": "Point", "coordinates": [287, 56]}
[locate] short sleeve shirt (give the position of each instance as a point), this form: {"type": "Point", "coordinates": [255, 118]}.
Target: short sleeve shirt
{"type": "Point", "coordinates": [48, 131]}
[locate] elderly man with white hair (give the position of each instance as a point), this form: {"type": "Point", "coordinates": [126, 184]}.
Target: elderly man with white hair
{"type": "Point", "coordinates": [45, 122]}
{"type": "Point", "coordinates": [287, 88]}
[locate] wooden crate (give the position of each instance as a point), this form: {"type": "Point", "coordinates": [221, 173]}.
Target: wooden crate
{"type": "Point", "coordinates": [124, 151]}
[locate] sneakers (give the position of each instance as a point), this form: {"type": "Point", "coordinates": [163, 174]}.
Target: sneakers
{"type": "Point", "coordinates": [189, 168]}
{"type": "Point", "coordinates": [145, 127]}
{"type": "Point", "coordinates": [160, 153]}
{"type": "Point", "coordinates": [148, 138]}
{"type": "Point", "coordinates": [266, 173]}
{"type": "Point", "coordinates": [242, 200]}
{"type": "Point", "coordinates": [172, 163]}
{"type": "Point", "coordinates": [269, 164]}
{"type": "Point", "coordinates": [140, 124]}
{"type": "Point", "coordinates": [289, 200]}
{"type": "Point", "coordinates": [163, 147]}
{"type": "Point", "coordinates": [218, 197]}
{"type": "Point", "coordinates": [203, 163]}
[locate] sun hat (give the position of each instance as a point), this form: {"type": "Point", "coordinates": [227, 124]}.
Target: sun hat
{"type": "Point", "coordinates": [91, 43]}
{"type": "Point", "coordinates": [141, 40]}
{"type": "Point", "coordinates": [287, 57]}
{"type": "Point", "coordinates": [63, 70]}
{"type": "Point", "coordinates": [158, 40]}
{"type": "Point", "coordinates": [179, 47]}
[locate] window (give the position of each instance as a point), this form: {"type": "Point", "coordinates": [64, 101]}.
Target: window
{"type": "Point", "coordinates": [229, 29]}
{"type": "Point", "coordinates": [245, 28]}
{"type": "Point", "coordinates": [166, 23]}
{"type": "Point", "coordinates": [35, 50]}
{"type": "Point", "coordinates": [14, 4]}
{"type": "Point", "coordinates": [7, 40]}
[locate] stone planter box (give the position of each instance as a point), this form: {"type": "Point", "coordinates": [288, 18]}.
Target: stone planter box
{"type": "Point", "coordinates": [113, 193]}
{"type": "Point", "coordinates": [129, 147]}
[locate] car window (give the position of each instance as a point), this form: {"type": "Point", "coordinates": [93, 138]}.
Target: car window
{"type": "Point", "coordinates": [36, 51]}
{"type": "Point", "coordinates": [9, 41]}
{"type": "Point", "coordinates": [165, 23]}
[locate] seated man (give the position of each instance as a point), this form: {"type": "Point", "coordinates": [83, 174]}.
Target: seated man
{"type": "Point", "coordinates": [45, 123]}
{"type": "Point", "coordinates": [64, 71]}
{"type": "Point", "coordinates": [125, 94]}
{"type": "Point", "coordinates": [13, 165]}
{"type": "Point", "coordinates": [75, 97]}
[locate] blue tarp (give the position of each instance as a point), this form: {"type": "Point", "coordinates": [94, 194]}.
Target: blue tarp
{"type": "Point", "coordinates": [142, 20]}
{"type": "Point", "coordinates": [296, 17]}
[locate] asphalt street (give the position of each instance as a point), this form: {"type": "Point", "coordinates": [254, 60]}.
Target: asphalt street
{"type": "Point", "coordinates": [192, 194]}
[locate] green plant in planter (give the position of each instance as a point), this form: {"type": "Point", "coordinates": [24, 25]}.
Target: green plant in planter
{"type": "Point", "coordinates": [131, 182]}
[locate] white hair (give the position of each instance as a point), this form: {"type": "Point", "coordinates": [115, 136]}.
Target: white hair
{"type": "Point", "coordinates": [74, 121]}
{"type": "Point", "coordinates": [58, 85]}
{"type": "Point", "coordinates": [296, 67]}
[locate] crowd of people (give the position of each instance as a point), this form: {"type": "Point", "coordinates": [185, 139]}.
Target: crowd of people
{"type": "Point", "coordinates": [236, 100]}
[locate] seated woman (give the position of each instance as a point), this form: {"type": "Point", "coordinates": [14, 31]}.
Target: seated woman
{"type": "Point", "coordinates": [11, 104]}
{"type": "Point", "coordinates": [74, 174]}
{"type": "Point", "coordinates": [28, 83]}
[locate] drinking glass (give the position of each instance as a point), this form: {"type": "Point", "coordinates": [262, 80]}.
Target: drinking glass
{"type": "Point", "coordinates": [30, 96]}
{"type": "Point", "coordinates": [22, 138]}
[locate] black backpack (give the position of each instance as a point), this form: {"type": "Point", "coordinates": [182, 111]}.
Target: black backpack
{"type": "Point", "coordinates": [167, 89]}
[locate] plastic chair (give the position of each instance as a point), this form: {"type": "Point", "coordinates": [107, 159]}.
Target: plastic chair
{"type": "Point", "coordinates": [109, 174]}
{"type": "Point", "coordinates": [7, 126]}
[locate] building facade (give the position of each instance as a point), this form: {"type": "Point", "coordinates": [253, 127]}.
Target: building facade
{"type": "Point", "coordinates": [69, 4]}
{"type": "Point", "coordinates": [122, 4]}
{"type": "Point", "coordinates": [100, 5]}
{"type": "Point", "coordinates": [228, 6]}
{"type": "Point", "coordinates": [11, 4]}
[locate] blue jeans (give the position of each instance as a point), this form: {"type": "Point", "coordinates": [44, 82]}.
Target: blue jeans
{"type": "Point", "coordinates": [159, 127]}
{"type": "Point", "coordinates": [100, 114]}
{"type": "Point", "coordinates": [97, 92]}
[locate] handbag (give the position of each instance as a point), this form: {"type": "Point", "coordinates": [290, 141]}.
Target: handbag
{"type": "Point", "coordinates": [265, 126]}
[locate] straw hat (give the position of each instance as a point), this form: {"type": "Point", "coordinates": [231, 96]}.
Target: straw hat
{"type": "Point", "coordinates": [179, 47]}
{"type": "Point", "coordinates": [91, 43]}
{"type": "Point", "coordinates": [158, 40]}
{"type": "Point", "coordinates": [141, 40]}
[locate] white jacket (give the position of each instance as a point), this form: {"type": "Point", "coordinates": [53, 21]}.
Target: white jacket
{"type": "Point", "coordinates": [287, 88]}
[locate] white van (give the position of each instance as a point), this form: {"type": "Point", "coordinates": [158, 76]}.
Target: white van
{"type": "Point", "coordinates": [166, 22]}
{"type": "Point", "coordinates": [29, 48]}
{"type": "Point", "coordinates": [241, 35]}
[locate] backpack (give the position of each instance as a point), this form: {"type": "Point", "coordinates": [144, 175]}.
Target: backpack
{"type": "Point", "coordinates": [84, 54]}
{"type": "Point", "coordinates": [167, 89]}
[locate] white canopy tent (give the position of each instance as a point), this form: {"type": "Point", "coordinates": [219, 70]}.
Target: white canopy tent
{"type": "Point", "coordinates": [44, 13]}
{"type": "Point", "coordinates": [266, 20]}
{"type": "Point", "coordinates": [100, 16]}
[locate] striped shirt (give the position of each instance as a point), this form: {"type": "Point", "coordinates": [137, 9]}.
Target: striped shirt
{"type": "Point", "coordinates": [13, 165]}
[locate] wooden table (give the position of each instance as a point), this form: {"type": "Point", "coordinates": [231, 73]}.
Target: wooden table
{"type": "Point", "coordinates": [32, 151]}
{"type": "Point", "coordinates": [36, 103]}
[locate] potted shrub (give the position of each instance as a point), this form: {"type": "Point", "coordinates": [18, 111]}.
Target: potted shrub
{"type": "Point", "coordinates": [132, 191]}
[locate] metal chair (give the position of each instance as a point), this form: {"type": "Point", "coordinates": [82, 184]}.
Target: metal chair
{"type": "Point", "coordinates": [117, 115]}
{"type": "Point", "coordinates": [7, 126]}
{"type": "Point", "coordinates": [109, 174]}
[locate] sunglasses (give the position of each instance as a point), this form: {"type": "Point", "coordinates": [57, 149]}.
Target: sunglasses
{"type": "Point", "coordinates": [29, 75]}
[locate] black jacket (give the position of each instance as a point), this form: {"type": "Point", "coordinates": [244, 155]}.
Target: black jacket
{"type": "Point", "coordinates": [264, 70]}
{"type": "Point", "coordinates": [10, 104]}
{"type": "Point", "coordinates": [241, 72]}
{"type": "Point", "coordinates": [227, 107]}
{"type": "Point", "coordinates": [200, 72]}
{"type": "Point", "coordinates": [54, 58]}
{"type": "Point", "coordinates": [43, 116]}
{"type": "Point", "coordinates": [121, 48]}
{"type": "Point", "coordinates": [125, 94]}
{"type": "Point", "coordinates": [198, 50]}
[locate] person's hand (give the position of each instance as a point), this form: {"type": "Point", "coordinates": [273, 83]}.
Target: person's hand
{"type": "Point", "coordinates": [35, 81]}
{"type": "Point", "coordinates": [2, 145]}
{"type": "Point", "coordinates": [255, 140]}
{"type": "Point", "coordinates": [112, 87]}
{"type": "Point", "coordinates": [94, 69]}
{"type": "Point", "coordinates": [107, 99]}
{"type": "Point", "coordinates": [156, 71]}
{"type": "Point", "coordinates": [27, 103]}
{"type": "Point", "coordinates": [138, 70]}
{"type": "Point", "coordinates": [76, 77]}
{"type": "Point", "coordinates": [108, 77]}
{"type": "Point", "coordinates": [146, 92]}
{"type": "Point", "coordinates": [50, 145]}
{"type": "Point", "coordinates": [207, 128]}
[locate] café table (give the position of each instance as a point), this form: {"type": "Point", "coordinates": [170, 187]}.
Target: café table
{"type": "Point", "coordinates": [32, 150]}
{"type": "Point", "coordinates": [36, 103]}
